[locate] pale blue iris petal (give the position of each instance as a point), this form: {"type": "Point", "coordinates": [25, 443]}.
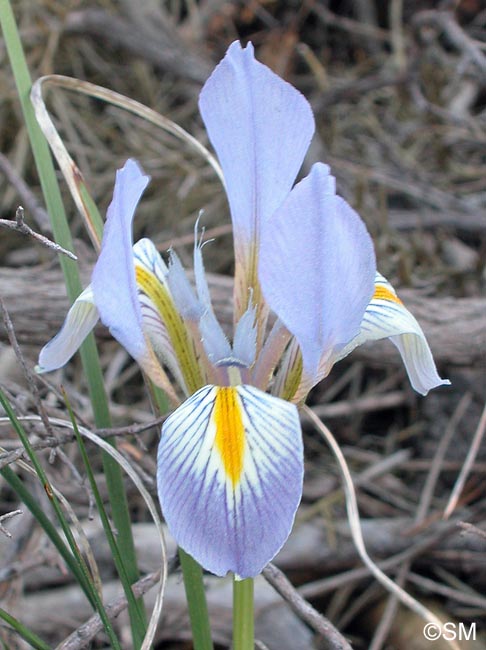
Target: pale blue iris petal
{"type": "Point", "coordinates": [317, 267]}
{"type": "Point", "coordinates": [202, 287]}
{"type": "Point", "coordinates": [245, 338]}
{"type": "Point", "coordinates": [260, 127]}
{"type": "Point", "coordinates": [197, 308]}
{"type": "Point", "coordinates": [213, 338]}
{"type": "Point", "coordinates": [419, 362]}
{"type": "Point", "coordinates": [79, 322]}
{"type": "Point", "coordinates": [389, 318]}
{"type": "Point", "coordinates": [226, 526]}
{"type": "Point", "coordinates": [114, 284]}
{"type": "Point", "coordinates": [184, 296]}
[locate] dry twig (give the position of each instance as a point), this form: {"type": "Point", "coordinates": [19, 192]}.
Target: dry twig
{"type": "Point", "coordinates": [304, 610]}
{"type": "Point", "coordinates": [445, 22]}
{"type": "Point", "coordinates": [86, 632]}
{"type": "Point", "coordinates": [19, 225]}
{"type": "Point", "coordinates": [470, 528]}
{"type": "Point", "coordinates": [25, 193]}
{"type": "Point", "coordinates": [470, 458]}
{"type": "Point", "coordinates": [5, 517]}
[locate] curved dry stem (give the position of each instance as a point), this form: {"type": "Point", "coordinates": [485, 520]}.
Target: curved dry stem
{"type": "Point", "coordinates": [124, 464]}
{"type": "Point", "coordinates": [83, 540]}
{"type": "Point", "coordinates": [72, 174]}
{"type": "Point", "coordinates": [466, 468]}
{"type": "Point", "coordinates": [155, 617]}
{"type": "Point", "coordinates": [357, 535]}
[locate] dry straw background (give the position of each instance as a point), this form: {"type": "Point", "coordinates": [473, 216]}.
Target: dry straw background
{"type": "Point", "coordinates": [399, 93]}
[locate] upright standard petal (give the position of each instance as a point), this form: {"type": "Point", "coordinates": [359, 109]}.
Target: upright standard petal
{"type": "Point", "coordinates": [317, 267]}
{"type": "Point", "coordinates": [79, 322]}
{"type": "Point", "coordinates": [260, 127]}
{"type": "Point", "coordinates": [387, 317]}
{"type": "Point", "coordinates": [229, 477]}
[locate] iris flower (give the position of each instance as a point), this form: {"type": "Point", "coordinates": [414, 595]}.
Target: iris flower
{"type": "Point", "coordinates": [306, 293]}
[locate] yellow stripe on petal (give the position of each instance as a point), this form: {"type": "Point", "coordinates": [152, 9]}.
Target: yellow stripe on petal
{"type": "Point", "coordinates": [230, 432]}
{"type": "Point", "coordinates": [387, 317]}
{"type": "Point", "coordinates": [229, 476]}
{"type": "Point", "coordinates": [383, 293]}
{"type": "Point", "coordinates": [183, 347]}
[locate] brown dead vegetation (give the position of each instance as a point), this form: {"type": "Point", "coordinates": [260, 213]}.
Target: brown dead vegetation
{"type": "Point", "coordinates": [399, 93]}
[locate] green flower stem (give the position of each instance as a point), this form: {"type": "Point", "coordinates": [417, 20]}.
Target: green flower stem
{"type": "Point", "coordinates": [89, 356]}
{"type": "Point", "coordinates": [196, 602]}
{"type": "Point", "coordinates": [243, 618]}
{"type": "Point", "coordinates": [191, 571]}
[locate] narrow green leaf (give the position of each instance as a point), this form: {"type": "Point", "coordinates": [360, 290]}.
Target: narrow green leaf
{"type": "Point", "coordinates": [62, 520]}
{"type": "Point", "coordinates": [196, 602]}
{"type": "Point", "coordinates": [89, 356]}
{"type": "Point", "coordinates": [120, 567]}
{"type": "Point", "coordinates": [30, 501]}
{"type": "Point", "coordinates": [26, 634]}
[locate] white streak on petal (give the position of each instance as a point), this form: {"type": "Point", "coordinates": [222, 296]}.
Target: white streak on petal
{"type": "Point", "coordinates": [79, 322]}
{"type": "Point", "coordinates": [147, 256]}
{"type": "Point", "coordinates": [387, 317]}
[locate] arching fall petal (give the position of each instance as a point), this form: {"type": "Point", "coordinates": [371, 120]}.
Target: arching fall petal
{"type": "Point", "coordinates": [317, 267]}
{"type": "Point", "coordinates": [387, 317]}
{"type": "Point", "coordinates": [229, 477]}
{"type": "Point", "coordinates": [79, 322]}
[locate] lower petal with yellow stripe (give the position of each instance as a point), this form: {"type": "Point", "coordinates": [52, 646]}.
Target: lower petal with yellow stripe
{"type": "Point", "coordinates": [229, 474]}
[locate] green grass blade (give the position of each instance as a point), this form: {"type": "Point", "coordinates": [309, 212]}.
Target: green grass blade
{"type": "Point", "coordinates": [32, 639]}
{"type": "Point", "coordinates": [30, 501]}
{"type": "Point", "coordinates": [105, 521]}
{"type": "Point", "coordinates": [62, 236]}
{"type": "Point", "coordinates": [196, 602]}
{"type": "Point", "coordinates": [62, 520]}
